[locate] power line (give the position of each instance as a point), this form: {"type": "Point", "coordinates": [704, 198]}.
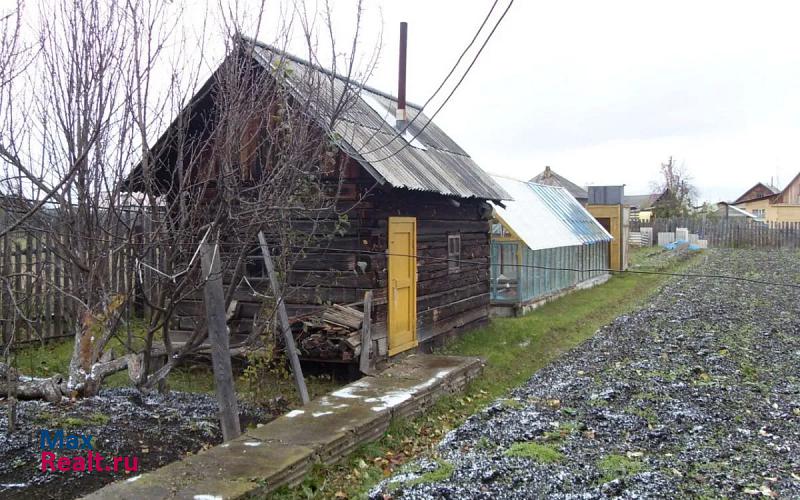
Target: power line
{"type": "Point", "coordinates": [447, 99]}
{"type": "Point", "coordinates": [438, 89]}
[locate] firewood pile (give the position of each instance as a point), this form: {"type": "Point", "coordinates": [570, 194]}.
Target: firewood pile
{"type": "Point", "coordinates": [333, 334]}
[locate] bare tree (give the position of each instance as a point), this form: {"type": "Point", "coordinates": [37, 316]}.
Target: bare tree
{"type": "Point", "coordinates": [676, 189]}
{"type": "Point", "coordinates": [72, 150]}
{"type": "Point", "coordinates": [254, 148]}
{"type": "Point", "coordinates": [258, 153]}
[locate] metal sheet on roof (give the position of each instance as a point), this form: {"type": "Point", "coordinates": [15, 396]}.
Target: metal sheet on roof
{"type": "Point", "coordinates": [547, 216]}
{"type": "Point", "coordinates": [441, 166]}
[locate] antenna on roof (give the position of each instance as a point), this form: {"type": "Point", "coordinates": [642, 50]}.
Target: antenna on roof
{"type": "Point", "coordinates": [401, 116]}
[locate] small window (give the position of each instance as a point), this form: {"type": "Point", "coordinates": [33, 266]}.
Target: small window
{"type": "Point", "coordinates": [499, 230]}
{"type": "Point", "coordinates": [454, 252]}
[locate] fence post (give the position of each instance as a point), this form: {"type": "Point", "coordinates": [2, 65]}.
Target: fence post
{"type": "Point", "coordinates": [366, 335]}
{"type": "Point", "coordinates": [214, 298]}
{"type": "Point", "coordinates": [288, 338]}
{"type": "Point", "coordinates": [5, 299]}
{"type": "Point", "coordinates": [49, 330]}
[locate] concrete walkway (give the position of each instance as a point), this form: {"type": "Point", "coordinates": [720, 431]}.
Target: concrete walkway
{"type": "Point", "coordinates": [327, 429]}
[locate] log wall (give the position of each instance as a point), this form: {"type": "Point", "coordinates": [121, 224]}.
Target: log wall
{"type": "Point", "coordinates": [354, 261]}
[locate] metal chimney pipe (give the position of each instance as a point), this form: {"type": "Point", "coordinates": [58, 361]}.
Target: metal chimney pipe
{"type": "Point", "coordinates": [401, 116]}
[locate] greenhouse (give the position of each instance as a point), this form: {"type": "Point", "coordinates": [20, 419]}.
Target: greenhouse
{"type": "Point", "coordinates": [544, 243]}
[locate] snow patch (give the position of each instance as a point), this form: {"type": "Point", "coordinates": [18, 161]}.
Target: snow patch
{"type": "Point", "coordinates": [294, 413]}
{"type": "Point", "coordinates": [321, 413]}
{"type": "Point", "coordinates": [346, 393]}
{"type": "Point", "coordinates": [394, 398]}
{"type": "Point", "coordinates": [207, 497]}
{"type": "Point", "coordinates": [133, 479]}
{"type": "Point", "coordinates": [252, 443]}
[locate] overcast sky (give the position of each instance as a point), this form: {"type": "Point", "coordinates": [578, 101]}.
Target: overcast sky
{"type": "Point", "coordinates": [605, 91]}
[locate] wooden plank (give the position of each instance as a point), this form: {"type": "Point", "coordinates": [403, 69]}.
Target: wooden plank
{"type": "Point", "coordinates": [291, 349]}
{"type": "Point", "coordinates": [29, 270]}
{"type": "Point", "coordinates": [218, 338]}
{"type": "Point", "coordinates": [58, 296]}
{"type": "Point", "coordinates": [38, 305]}
{"type": "Point", "coordinates": [18, 284]}
{"type": "Point", "coordinates": [366, 336]}
{"type": "Point", "coordinates": [47, 255]}
{"type": "Point", "coordinates": [5, 299]}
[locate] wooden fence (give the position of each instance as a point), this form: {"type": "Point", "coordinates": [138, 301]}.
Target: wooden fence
{"type": "Point", "coordinates": [730, 233]}
{"type": "Point", "coordinates": [35, 287]}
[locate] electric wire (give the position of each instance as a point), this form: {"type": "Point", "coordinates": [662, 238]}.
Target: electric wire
{"type": "Point", "coordinates": [438, 89]}
{"type": "Point", "coordinates": [450, 95]}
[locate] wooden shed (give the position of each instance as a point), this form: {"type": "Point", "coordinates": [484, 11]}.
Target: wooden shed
{"type": "Point", "coordinates": [544, 244]}
{"type": "Point", "coordinates": [417, 232]}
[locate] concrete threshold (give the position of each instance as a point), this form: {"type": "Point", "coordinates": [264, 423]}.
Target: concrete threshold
{"type": "Point", "coordinates": [325, 430]}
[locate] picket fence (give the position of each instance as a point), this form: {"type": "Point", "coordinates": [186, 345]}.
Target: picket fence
{"type": "Point", "coordinates": [730, 233]}
{"type": "Point", "coordinates": [35, 287]}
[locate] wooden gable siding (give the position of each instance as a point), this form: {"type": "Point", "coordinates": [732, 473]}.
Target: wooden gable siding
{"type": "Point", "coordinates": [754, 193]}
{"type": "Point", "coordinates": [790, 194]}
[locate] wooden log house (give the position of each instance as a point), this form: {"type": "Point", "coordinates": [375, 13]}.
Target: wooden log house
{"type": "Point", "coordinates": [420, 213]}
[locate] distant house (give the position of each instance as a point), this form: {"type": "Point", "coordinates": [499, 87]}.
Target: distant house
{"type": "Point", "coordinates": [767, 203]}
{"type": "Point", "coordinates": [642, 205]}
{"type": "Point", "coordinates": [757, 192]}
{"type": "Point", "coordinates": [548, 177]}
{"type": "Point", "coordinates": [544, 243]}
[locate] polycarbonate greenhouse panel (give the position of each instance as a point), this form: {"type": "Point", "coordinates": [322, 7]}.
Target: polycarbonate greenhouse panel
{"type": "Point", "coordinates": [547, 216]}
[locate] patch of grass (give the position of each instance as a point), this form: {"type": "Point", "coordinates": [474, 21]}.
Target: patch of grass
{"type": "Point", "coordinates": [646, 413]}
{"type": "Point", "coordinates": [564, 430]}
{"type": "Point", "coordinates": [542, 453]}
{"type": "Point", "coordinates": [95, 419]}
{"type": "Point", "coordinates": [511, 403]}
{"type": "Point", "coordinates": [618, 466]}
{"type": "Point", "coordinates": [444, 470]}
{"type": "Point", "coordinates": [514, 348]}
{"type": "Point", "coordinates": [54, 357]}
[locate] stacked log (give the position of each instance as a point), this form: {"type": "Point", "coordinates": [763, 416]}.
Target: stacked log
{"type": "Point", "coordinates": [333, 334]}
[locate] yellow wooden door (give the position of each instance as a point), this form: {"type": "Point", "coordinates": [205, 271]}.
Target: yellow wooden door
{"type": "Point", "coordinates": [402, 284]}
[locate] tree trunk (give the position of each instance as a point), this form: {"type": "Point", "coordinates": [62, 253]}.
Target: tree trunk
{"type": "Point", "coordinates": [90, 362]}
{"type": "Point", "coordinates": [50, 389]}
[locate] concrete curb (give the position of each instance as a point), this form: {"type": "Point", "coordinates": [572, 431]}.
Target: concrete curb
{"type": "Point", "coordinates": [324, 431]}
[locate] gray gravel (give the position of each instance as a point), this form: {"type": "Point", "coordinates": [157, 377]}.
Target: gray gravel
{"type": "Point", "coordinates": [695, 395]}
{"type": "Point", "coordinates": [157, 429]}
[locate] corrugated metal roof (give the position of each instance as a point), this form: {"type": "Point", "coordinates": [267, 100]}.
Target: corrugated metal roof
{"type": "Point", "coordinates": [547, 216]}
{"type": "Point", "coordinates": [549, 177]}
{"type": "Point", "coordinates": [441, 166]}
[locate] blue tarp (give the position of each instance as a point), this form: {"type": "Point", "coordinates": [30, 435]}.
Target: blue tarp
{"type": "Point", "coordinates": [675, 244]}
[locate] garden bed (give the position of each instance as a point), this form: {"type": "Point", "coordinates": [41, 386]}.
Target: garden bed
{"type": "Point", "coordinates": [154, 429]}
{"type": "Point", "coordinates": [695, 394]}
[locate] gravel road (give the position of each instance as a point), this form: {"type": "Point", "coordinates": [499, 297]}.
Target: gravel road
{"type": "Point", "coordinates": [695, 395]}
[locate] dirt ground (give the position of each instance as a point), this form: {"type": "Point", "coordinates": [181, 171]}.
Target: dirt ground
{"type": "Point", "coordinates": [695, 395]}
{"type": "Point", "coordinates": [155, 429]}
